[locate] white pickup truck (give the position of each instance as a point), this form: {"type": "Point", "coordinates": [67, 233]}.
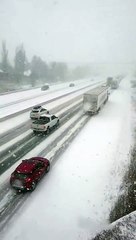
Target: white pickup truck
{"type": "Point", "coordinates": [45, 123]}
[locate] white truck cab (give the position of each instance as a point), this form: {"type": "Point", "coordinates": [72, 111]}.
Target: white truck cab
{"type": "Point", "coordinates": [45, 123]}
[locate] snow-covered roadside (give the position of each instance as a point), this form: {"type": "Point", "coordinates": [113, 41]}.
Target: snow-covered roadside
{"type": "Point", "coordinates": [74, 200]}
{"type": "Point", "coordinates": [124, 228]}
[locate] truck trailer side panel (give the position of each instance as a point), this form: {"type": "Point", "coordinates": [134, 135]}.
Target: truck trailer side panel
{"type": "Point", "coordinates": [94, 99]}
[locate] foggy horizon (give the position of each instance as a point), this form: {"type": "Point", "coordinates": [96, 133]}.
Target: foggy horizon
{"type": "Point", "coordinates": [90, 31]}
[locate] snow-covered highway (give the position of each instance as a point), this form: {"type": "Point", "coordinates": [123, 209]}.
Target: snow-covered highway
{"type": "Point", "coordinates": [74, 200]}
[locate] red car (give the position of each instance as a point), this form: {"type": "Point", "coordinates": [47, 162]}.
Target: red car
{"type": "Point", "coordinates": [28, 173]}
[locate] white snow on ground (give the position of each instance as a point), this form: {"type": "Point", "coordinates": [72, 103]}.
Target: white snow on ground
{"type": "Point", "coordinates": [15, 140]}
{"type": "Point", "coordinates": [73, 201]}
{"type": "Point", "coordinates": [124, 228]}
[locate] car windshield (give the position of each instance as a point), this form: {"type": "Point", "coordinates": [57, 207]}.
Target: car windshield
{"type": "Point", "coordinates": [21, 175]}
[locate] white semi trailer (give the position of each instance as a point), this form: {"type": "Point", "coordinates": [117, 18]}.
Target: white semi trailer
{"type": "Point", "coordinates": [94, 99]}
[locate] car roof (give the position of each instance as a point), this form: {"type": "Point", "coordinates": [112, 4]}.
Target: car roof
{"type": "Point", "coordinates": [46, 84]}
{"type": "Point", "coordinates": [37, 107]}
{"type": "Point", "coordinates": [26, 166]}
{"type": "Point", "coordinates": [96, 91]}
{"type": "Point", "coordinates": [39, 159]}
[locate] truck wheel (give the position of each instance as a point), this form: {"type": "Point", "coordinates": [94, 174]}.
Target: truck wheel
{"type": "Point", "coordinates": [48, 130]}
{"type": "Point", "coordinates": [106, 100]}
{"type": "Point", "coordinates": [98, 111]}
{"type": "Point", "coordinates": [57, 124]}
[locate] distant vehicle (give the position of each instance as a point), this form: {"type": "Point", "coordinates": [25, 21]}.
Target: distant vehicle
{"type": "Point", "coordinates": [109, 81]}
{"type": "Point", "coordinates": [119, 78]}
{"type": "Point", "coordinates": [133, 83]}
{"type": "Point", "coordinates": [37, 111]}
{"type": "Point", "coordinates": [104, 84]}
{"type": "Point", "coordinates": [71, 85]}
{"type": "Point", "coordinates": [28, 173]}
{"type": "Point", "coordinates": [45, 87]}
{"type": "Point", "coordinates": [45, 123]}
{"type": "Point", "coordinates": [114, 84]}
{"type": "Point", "coordinates": [94, 99]}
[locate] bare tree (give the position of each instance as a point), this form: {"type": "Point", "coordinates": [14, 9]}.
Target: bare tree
{"type": "Point", "coordinates": [4, 63]}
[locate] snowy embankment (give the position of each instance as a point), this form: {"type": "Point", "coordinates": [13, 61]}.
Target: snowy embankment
{"type": "Point", "coordinates": [122, 229]}
{"type": "Point", "coordinates": [74, 200]}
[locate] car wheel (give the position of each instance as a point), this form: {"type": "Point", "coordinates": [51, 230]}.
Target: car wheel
{"type": "Point", "coordinates": [48, 168]}
{"type": "Point", "coordinates": [57, 124]}
{"type": "Point", "coordinates": [48, 130]}
{"type": "Point", "coordinates": [98, 110]}
{"type": "Point", "coordinates": [33, 186]}
{"type": "Point", "coordinates": [35, 132]}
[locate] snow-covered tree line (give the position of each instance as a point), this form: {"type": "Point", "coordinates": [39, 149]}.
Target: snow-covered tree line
{"type": "Point", "coordinates": [37, 69]}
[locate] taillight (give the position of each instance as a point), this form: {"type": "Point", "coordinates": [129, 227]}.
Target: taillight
{"type": "Point", "coordinates": [28, 179]}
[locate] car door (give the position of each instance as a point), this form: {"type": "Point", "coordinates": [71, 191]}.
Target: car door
{"type": "Point", "coordinates": [39, 171]}
{"type": "Point", "coordinates": [43, 110]}
{"type": "Point", "coordinates": [53, 120]}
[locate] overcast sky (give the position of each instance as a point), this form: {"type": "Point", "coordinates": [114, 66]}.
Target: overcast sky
{"type": "Point", "coordinates": [71, 30]}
